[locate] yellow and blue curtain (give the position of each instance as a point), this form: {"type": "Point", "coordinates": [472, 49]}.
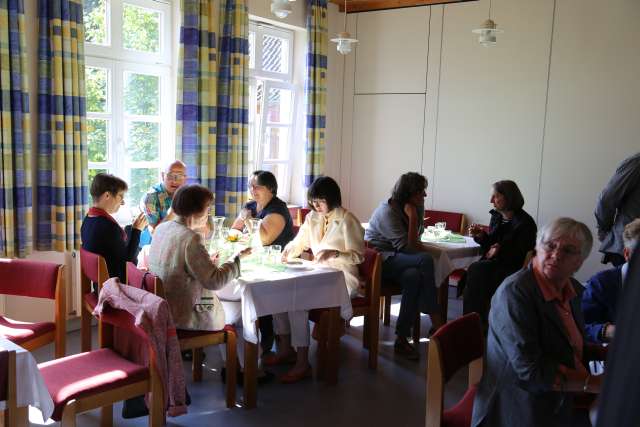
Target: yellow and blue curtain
{"type": "Point", "coordinates": [213, 88]}
{"type": "Point", "coordinates": [316, 88]}
{"type": "Point", "coordinates": [15, 145]}
{"type": "Point", "coordinates": [62, 130]}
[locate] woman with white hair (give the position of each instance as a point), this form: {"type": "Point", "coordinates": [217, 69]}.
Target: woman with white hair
{"type": "Point", "coordinates": [536, 351]}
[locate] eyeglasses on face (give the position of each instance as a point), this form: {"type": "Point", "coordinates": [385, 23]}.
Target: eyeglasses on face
{"type": "Point", "coordinates": [176, 176]}
{"type": "Point", "coordinates": [318, 201]}
{"type": "Point", "coordinates": [565, 250]}
{"type": "Point", "coordinates": [254, 186]}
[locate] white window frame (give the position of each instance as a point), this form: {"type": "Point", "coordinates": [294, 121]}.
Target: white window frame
{"type": "Point", "coordinates": [118, 61]}
{"type": "Point", "coordinates": [273, 80]}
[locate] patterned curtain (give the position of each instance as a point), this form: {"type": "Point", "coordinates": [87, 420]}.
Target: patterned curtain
{"type": "Point", "coordinates": [15, 145]}
{"type": "Point", "coordinates": [212, 111]}
{"type": "Point", "coordinates": [62, 130]}
{"type": "Point", "coordinates": [316, 88]}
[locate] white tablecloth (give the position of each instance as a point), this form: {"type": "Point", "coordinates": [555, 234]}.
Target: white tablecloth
{"type": "Point", "coordinates": [271, 292]}
{"type": "Point", "coordinates": [30, 385]}
{"type": "Point", "coordinates": [450, 256]}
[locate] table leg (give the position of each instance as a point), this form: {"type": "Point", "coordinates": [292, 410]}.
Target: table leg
{"type": "Point", "coordinates": [333, 346]}
{"type": "Point", "coordinates": [443, 298]}
{"type": "Point", "coordinates": [19, 417]}
{"type": "Point", "coordinates": [250, 374]}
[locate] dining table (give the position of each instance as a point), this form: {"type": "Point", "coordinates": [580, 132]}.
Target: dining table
{"type": "Point", "coordinates": [267, 286]}
{"type": "Point", "coordinates": [31, 389]}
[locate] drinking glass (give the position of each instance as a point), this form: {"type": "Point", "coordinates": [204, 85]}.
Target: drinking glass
{"type": "Point", "coordinates": [275, 254]}
{"type": "Point", "coordinates": [441, 225]}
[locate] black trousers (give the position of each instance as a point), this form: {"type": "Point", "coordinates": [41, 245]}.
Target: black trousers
{"type": "Point", "coordinates": [482, 279]}
{"type": "Point", "coordinates": [267, 336]}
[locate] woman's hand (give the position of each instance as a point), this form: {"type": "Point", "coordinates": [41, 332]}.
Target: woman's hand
{"type": "Point", "coordinates": [326, 255]}
{"type": "Point", "coordinates": [140, 222]}
{"type": "Point", "coordinates": [215, 257]}
{"type": "Point", "coordinates": [243, 253]}
{"type": "Point", "coordinates": [475, 230]}
{"type": "Point", "coordinates": [285, 254]}
{"type": "Point", "coordinates": [245, 214]}
{"type": "Point", "coordinates": [493, 251]}
{"type": "Point", "coordinates": [410, 210]}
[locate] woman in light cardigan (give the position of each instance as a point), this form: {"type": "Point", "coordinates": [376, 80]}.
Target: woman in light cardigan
{"type": "Point", "coordinates": [336, 239]}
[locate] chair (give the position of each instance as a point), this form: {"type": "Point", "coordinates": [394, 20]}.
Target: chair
{"type": "Point", "coordinates": [455, 221]}
{"type": "Point", "coordinates": [93, 269]}
{"type": "Point", "coordinates": [457, 344]}
{"type": "Point", "coordinates": [302, 214]}
{"type": "Point", "coordinates": [368, 306]}
{"type": "Point", "coordinates": [193, 340]}
{"type": "Point", "coordinates": [12, 416]}
{"type": "Point", "coordinates": [295, 212]}
{"type": "Point", "coordinates": [40, 280]}
{"type": "Point", "coordinates": [387, 290]}
{"type": "Point", "coordinates": [99, 378]}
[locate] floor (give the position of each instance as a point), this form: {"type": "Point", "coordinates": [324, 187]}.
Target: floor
{"type": "Point", "coordinates": [394, 395]}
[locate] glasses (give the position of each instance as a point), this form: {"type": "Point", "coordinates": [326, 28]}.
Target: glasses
{"type": "Point", "coordinates": [254, 186]}
{"type": "Point", "coordinates": [318, 201]}
{"type": "Point", "coordinates": [551, 246]}
{"type": "Point", "coordinates": [175, 176]}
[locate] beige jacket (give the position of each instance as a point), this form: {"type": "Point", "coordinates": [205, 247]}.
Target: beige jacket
{"type": "Point", "coordinates": [344, 234]}
{"type": "Point", "coordinates": [178, 257]}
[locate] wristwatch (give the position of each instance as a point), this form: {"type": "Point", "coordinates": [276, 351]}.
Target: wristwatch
{"type": "Point", "coordinates": [337, 254]}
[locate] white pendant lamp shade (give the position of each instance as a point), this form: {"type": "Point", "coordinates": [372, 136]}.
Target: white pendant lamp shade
{"type": "Point", "coordinates": [487, 33]}
{"type": "Point", "coordinates": [344, 39]}
{"type": "Point", "coordinates": [281, 8]}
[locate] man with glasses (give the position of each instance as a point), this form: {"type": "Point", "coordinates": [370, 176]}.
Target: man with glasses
{"type": "Point", "coordinates": [156, 204]}
{"type": "Point", "coordinates": [600, 297]}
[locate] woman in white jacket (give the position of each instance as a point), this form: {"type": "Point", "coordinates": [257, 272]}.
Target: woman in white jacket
{"type": "Point", "coordinates": [336, 239]}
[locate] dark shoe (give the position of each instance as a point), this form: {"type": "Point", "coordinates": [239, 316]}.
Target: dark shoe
{"type": "Point", "coordinates": [134, 408]}
{"type": "Point", "coordinates": [265, 378]}
{"type": "Point", "coordinates": [403, 348]}
{"type": "Point", "coordinates": [290, 378]}
{"type": "Point", "coordinates": [187, 356]}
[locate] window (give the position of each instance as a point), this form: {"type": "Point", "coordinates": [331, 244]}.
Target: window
{"type": "Point", "coordinates": [271, 104]}
{"type": "Point", "coordinates": [129, 90]}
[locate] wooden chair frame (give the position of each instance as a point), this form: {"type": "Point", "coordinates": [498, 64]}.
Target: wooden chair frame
{"type": "Point", "coordinates": [13, 416]}
{"type": "Point", "coordinates": [196, 344]}
{"type": "Point", "coordinates": [435, 382]}
{"type": "Point", "coordinates": [59, 335]}
{"type": "Point", "coordinates": [86, 311]}
{"type": "Point", "coordinates": [106, 399]}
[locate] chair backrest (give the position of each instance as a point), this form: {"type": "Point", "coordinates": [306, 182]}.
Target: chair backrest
{"type": "Point", "coordinates": [296, 228]}
{"type": "Point", "coordinates": [30, 278]}
{"type": "Point", "coordinates": [142, 279]}
{"type": "Point", "coordinates": [456, 344]}
{"type": "Point", "coordinates": [302, 214]}
{"type": "Point", "coordinates": [295, 212]}
{"type": "Point", "coordinates": [455, 220]}
{"type": "Point", "coordinates": [93, 268]}
{"type": "Point", "coordinates": [370, 271]}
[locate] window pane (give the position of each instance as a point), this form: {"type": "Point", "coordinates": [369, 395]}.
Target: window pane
{"type": "Point", "coordinates": [97, 137]}
{"type": "Point", "coordinates": [252, 50]}
{"type": "Point", "coordinates": [279, 106]}
{"type": "Point", "coordinates": [95, 21]}
{"type": "Point", "coordinates": [276, 144]}
{"type": "Point", "coordinates": [141, 94]}
{"type": "Point", "coordinates": [275, 54]}
{"type": "Point", "coordinates": [141, 180]}
{"type": "Point", "coordinates": [140, 29]}
{"type": "Point", "coordinates": [143, 141]}
{"type": "Point", "coordinates": [94, 172]}
{"type": "Point", "coordinates": [96, 87]}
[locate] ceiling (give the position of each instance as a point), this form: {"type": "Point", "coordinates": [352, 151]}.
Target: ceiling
{"type": "Point", "coordinates": [367, 5]}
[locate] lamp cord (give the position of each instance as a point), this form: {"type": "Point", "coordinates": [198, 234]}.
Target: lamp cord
{"type": "Point", "coordinates": [345, 15]}
{"type": "Point", "coordinates": [489, 9]}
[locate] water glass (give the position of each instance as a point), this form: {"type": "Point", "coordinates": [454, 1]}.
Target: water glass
{"type": "Point", "coordinates": [275, 254]}
{"type": "Point", "coordinates": [441, 225]}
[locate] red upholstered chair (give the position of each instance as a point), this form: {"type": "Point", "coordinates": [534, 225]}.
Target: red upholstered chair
{"type": "Point", "coordinates": [368, 306]}
{"type": "Point", "coordinates": [11, 416]}
{"type": "Point", "coordinates": [456, 221]}
{"type": "Point", "coordinates": [302, 214]}
{"type": "Point", "coordinates": [457, 344]}
{"type": "Point", "coordinates": [40, 280]}
{"type": "Point", "coordinates": [99, 378]}
{"type": "Point", "coordinates": [295, 215]}
{"type": "Point", "coordinates": [194, 340]}
{"type": "Point", "coordinates": [93, 269]}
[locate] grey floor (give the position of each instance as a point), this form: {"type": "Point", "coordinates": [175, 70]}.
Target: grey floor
{"type": "Point", "coordinates": [394, 395]}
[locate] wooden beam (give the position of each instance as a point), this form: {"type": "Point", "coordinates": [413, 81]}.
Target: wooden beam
{"type": "Point", "coordinates": [354, 6]}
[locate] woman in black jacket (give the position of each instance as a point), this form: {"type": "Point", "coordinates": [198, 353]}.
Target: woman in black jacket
{"type": "Point", "coordinates": [512, 233]}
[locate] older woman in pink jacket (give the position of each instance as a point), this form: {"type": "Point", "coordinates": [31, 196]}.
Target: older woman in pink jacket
{"type": "Point", "coordinates": [336, 239]}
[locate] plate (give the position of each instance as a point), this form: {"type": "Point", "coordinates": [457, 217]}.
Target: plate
{"type": "Point", "coordinates": [296, 265]}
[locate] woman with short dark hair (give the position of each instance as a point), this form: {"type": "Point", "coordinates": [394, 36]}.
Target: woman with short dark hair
{"type": "Point", "coordinates": [335, 237]}
{"type": "Point", "coordinates": [394, 230]}
{"type": "Point", "coordinates": [189, 274]}
{"type": "Point", "coordinates": [512, 233]}
{"type": "Point", "coordinates": [100, 232]}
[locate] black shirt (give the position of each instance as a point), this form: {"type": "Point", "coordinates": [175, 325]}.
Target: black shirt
{"type": "Point", "coordinates": [104, 237]}
{"type": "Point", "coordinates": [275, 206]}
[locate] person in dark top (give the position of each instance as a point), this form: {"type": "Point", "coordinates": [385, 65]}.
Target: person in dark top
{"type": "Point", "coordinates": [512, 233]}
{"type": "Point", "coordinates": [276, 228]}
{"type": "Point", "coordinates": [100, 232]}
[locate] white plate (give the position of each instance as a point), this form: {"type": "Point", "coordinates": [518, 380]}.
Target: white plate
{"type": "Point", "coordinates": [297, 265]}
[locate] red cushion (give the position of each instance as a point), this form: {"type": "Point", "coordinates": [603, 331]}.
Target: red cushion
{"type": "Point", "coordinates": [459, 415]}
{"type": "Point", "coordinates": [91, 299]}
{"type": "Point", "coordinates": [461, 341]}
{"type": "Point", "coordinates": [19, 332]}
{"type": "Point", "coordinates": [140, 279]}
{"type": "Point", "coordinates": [87, 374]}
{"type": "Point", "coordinates": [28, 278]}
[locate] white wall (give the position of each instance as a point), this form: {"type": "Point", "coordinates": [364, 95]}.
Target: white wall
{"type": "Point", "coordinates": [553, 106]}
